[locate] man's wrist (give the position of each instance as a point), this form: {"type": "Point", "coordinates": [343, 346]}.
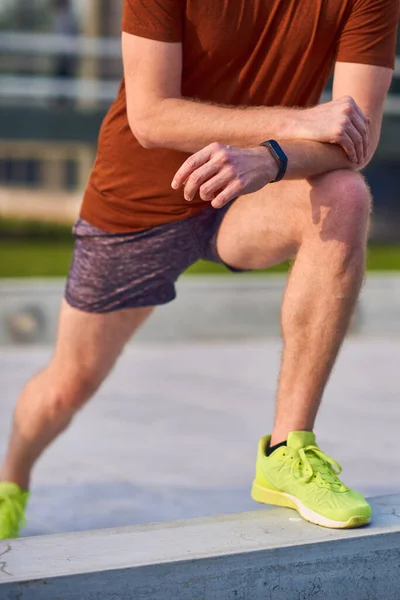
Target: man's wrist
{"type": "Point", "coordinates": [290, 123]}
{"type": "Point", "coordinates": [268, 163]}
{"type": "Point", "coordinates": [279, 157]}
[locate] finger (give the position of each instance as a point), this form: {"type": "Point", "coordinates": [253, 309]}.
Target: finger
{"type": "Point", "coordinates": [363, 130]}
{"type": "Point", "coordinates": [368, 135]}
{"type": "Point", "coordinates": [232, 190]}
{"type": "Point", "coordinates": [352, 104]}
{"type": "Point", "coordinates": [367, 123]}
{"type": "Point", "coordinates": [360, 113]}
{"type": "Point", "coordinates": [357, 140]}
{"type": "Point", "coordinates": [192, 163]}
{"type": "Point", "coordinates": [210, 189]}
{"type": "Point", "coordinates": [198, 178]}
{"type": "Point", "coordinates": [348, 146]}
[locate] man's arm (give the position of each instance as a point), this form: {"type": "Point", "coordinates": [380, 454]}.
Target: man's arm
{"type": "Point", "coordinates": [160, 117]}
{"type": "Point", "coordinates": [221, 173]}
{"type": "Point", "coordinates": [368, 86]}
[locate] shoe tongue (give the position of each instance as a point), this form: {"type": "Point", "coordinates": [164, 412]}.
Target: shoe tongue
{"type": "Point", "coordinates": [300, 439]}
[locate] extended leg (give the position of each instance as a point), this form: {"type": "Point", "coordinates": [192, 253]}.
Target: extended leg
{"type": "Point", "coordinates": [88, 346]}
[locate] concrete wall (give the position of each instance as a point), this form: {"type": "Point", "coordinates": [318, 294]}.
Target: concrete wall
{"type": "Point", "coordinates": [207, 309]}
{"type": "Point", "coordinates": [269, 554]}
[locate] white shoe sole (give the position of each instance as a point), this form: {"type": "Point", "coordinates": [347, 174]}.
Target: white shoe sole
{"type": "Point", "coordinates": [267, 496]}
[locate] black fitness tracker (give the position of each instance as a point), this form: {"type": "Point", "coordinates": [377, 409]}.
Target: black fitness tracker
{"type": "Point", "coordinates": [279, 156]}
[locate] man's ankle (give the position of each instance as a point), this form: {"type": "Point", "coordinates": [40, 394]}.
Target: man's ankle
{"type": "Point", "coordinates": [19, 479]}
{"type": "Point", "coordinates": [271, 448]}
{"type": "Point", "coordinates": [278, 438]}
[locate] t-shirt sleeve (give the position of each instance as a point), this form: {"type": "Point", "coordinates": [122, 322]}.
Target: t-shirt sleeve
{"type": "Point", "coordinates": [369, 35]}
{"type": "Point", "coordinates": [160, 20]}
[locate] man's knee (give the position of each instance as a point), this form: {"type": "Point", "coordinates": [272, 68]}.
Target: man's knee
{"type": "Point", "coordinates": [341, 204]}
{"type": "Point", "coordinates": [66, 396]}
{"type": "Point", "coordinates": [351, 192]}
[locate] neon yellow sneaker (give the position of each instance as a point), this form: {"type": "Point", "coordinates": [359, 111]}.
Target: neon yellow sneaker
{"type": "Point", "coordinates": [302, 477]}
{"type": "Point", "coordinates": [13, 502]}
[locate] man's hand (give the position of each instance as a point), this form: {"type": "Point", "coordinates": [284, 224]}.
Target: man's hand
{"type": "Point", "coordinates": [339, 122]}
{"type": "Point", "coordinates": [221, 173]}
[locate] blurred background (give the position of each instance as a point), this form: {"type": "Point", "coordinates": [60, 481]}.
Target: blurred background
{"type": "Point", "coordinates": [59, 71]}
{"type": "Point", "coordinates": [60, 68]}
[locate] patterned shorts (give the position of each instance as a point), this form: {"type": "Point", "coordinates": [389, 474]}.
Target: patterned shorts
{"type": "Point", "coordinates": [110, 272]}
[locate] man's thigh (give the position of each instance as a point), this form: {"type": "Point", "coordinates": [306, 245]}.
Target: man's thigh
{"type": "Point", "coordinates": [263, 229]}
{"type": "Point", "coordinates": [266, 228]}
{"type": "Point", "coordinates": [89, 344]}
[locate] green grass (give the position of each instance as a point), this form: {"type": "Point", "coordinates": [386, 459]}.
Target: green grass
{"type": "Point", "coordinates": [384, 257]}
{"type": "Point", "coordinates": [34, 258]}
{"type": "Point", "coordinates": [38, 258]}
{"type": "Point", "coordinates": [20, 229]}
{"type": "Point", "coordinates": [206, 268]}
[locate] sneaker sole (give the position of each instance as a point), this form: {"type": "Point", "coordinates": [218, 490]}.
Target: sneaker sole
{"type": "Point", "coordinates": [266, 496]}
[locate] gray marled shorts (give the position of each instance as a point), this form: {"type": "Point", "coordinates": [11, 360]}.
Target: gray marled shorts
{"type": "Point", "coordinates": [114, 271]}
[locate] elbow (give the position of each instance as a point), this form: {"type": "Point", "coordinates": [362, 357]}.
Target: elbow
{"type": "Point", "coordinates": [143, 130]}
{"type": "Point", "coordinates": [371, 150]}
{"type": "Point", "coordinates": [366, 161]}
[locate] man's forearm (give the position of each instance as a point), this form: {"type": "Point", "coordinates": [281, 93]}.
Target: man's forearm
{"type": "Point", "coordinates": [187, 125]}
{"type": "Point", "coordinates": [220, 172]}
{"type": "Point", "coordinates": [307, 159]}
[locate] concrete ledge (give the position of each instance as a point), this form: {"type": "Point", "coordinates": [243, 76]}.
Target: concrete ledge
{"type": "Point", "coordinates": [267, 554]}
{"type": "Point", "coordinates": [207, 309]}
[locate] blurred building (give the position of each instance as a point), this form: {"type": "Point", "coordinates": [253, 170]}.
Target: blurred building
{"type": "Point", "coordinates": [60, 67]}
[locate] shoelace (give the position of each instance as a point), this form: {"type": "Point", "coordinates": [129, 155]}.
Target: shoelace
{"type": "Point", "coordinates": [315, 461]}
{"type": "Point", "coordinates": [15, 510]}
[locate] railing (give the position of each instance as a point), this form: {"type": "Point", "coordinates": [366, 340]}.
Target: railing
{"type": "Point", "coordinates": [82, 88]}
{"type": "Point", "coordinates": [24, 89]}
{"type": "Point", "coordinates": [33, 44]}
{"type": "Point", "coordinates": [49, 44]}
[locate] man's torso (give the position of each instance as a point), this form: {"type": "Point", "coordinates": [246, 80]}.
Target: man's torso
{"type": "Point", "coordinates": [235, 52]}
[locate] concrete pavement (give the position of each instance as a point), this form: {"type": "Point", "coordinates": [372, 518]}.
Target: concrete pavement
{"type": "Point", "coordinates": [173, 432]}
{"type": "Point", "coordinates": [227, 309]}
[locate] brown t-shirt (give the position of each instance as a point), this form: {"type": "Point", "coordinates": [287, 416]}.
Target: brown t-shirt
{"type": "Point", "coordinates": [235, 52]}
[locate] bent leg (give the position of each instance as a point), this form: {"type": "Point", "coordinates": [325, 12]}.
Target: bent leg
{"type": "Point", "coordinates": [87, 348]}
{"type": "Point", "coordinates": [324, 223]}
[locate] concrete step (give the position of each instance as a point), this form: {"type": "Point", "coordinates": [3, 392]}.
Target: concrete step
{"type": "Point", "coordinates": [271, 554]}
